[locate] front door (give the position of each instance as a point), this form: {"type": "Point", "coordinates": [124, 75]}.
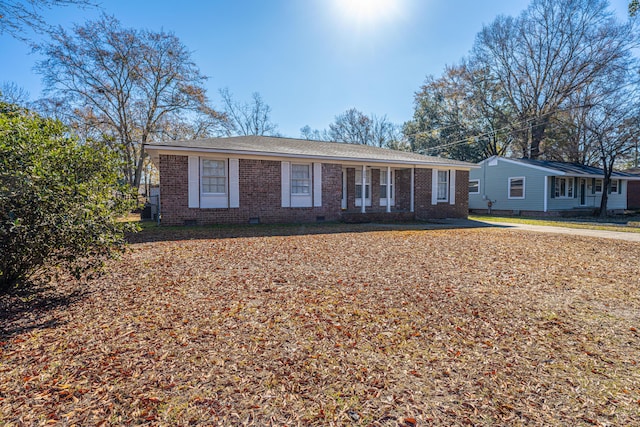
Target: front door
{"type": "Point", "coordinates": [583, 192]}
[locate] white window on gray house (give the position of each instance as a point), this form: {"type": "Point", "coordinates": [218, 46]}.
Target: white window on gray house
{"type": "Point", "coordinates": [300, 179]}
{"type": "Point", "coordinates": [474, 186]}
{"type": "Point", "coordinates": [614, 185]}
{"type": "Point", "coordinates": [564, 188]}
{"type": "Point", "coordinates": [516, 187]}
{"type": "Point", "coordinates": [598, 187]}
{"type": "Point", "coordinates": [443, 186]}
{"type": "Point", "coordinates": [214, 176]}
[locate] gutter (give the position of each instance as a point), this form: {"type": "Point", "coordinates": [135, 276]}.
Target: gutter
{"type": "Point", "coordinates": [262, 154]}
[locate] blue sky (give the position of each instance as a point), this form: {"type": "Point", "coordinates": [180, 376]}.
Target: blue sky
{"type": "Point", "coordinates": [309, 59]}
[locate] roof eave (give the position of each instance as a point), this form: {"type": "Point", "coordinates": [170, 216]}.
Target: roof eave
{"type": "Point", "coordinates": [158, 148]}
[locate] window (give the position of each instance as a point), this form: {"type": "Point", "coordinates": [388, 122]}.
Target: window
{"type": "Point", "coordinates": [598, 186]}
{"type": "Point", "coordinates": [474, 186]}
{"type": "Point", "coordinates": [214, 177]}
{"type": "Point", "coordinates": [300, 179]}
{"type": "Point", "coordinates": [564, 188]}
{"type": "Point", "coordinates": [443, 186]}
{"type": "Point", "coordinates": [614, 185]}
{"type": "Point", "coordinates": [516, 187]}
{"type": "Point", "coordinates": [383, 184]}
{"type": "Point", "coordinates": [367, 190]}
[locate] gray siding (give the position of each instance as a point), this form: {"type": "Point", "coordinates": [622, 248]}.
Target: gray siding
{"type": "Point", "coordinates": [494, 186]}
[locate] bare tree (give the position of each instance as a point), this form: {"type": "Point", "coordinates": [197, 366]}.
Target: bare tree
{"type": "Point", "coordinates": [16, 16]}
{"type": "Point", "coordinates": [552, 50]}
{"type": "Point", "coordinates": [355, 127]}
{"type": "Point", "coordinates": [352, 127]}
{"type": "Point", "coordinates": [314, 134]}
{"type": "Point", "coordinates": [11, 93]}
{"type": "Point", "coordinates": [252, 118]}
{"type": "Point", "coordinates": [457, 116]}
{"type": "Point", "coordinates": [125, 86]}
{"type": "Point", "coordinates": [612, 126]}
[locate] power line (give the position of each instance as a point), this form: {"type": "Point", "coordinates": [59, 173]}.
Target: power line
{"type": "Point", "coordinates": [510, 127]}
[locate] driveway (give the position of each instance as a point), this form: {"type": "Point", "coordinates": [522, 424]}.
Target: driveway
{"type": "Point", "coordinates": [605, 234]}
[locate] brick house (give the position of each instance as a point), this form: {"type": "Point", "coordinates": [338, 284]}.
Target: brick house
{"type": "Point", "coordinates": [257, 179]}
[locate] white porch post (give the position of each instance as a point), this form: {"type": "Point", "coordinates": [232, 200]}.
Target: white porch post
{"type": "Point", "coordinates": [388, 189]}
{"type": "Point", "coordinates": [411, 205]}
{"type": "Point", "coordinates": [546, 193]}
{"type": "Point", "coordinates": [364, 183]}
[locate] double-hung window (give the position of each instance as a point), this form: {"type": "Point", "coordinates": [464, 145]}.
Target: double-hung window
{"type": "Point", "coordinates": [598, 186]}
{"type": "Point", "coordinates": [474, 186]}
{"type": "Point", "coordinates": [214, 176]}
{"type": "Point", "coordinates": [367, 187]}
{"type": "Point", "coordinates": [516, 187]}
{"type": "Point", "coordinates": [300, 179]}
{"type": "Point", "coordinates": [443, 186]}
{"type": "Point", "coordinates": [614, 185]}
{"type": "Point", "coordinates": [384, 186]}
{"type": "Point", "coordinates": [564, 188]}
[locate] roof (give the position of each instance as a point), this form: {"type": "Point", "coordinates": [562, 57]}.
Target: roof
{"type": "Point", "coordinates": [567, 168]}
{"type": "Point", "coordinates": [302, 148]}
{"type": "Point", "coordinates": [633, 171]}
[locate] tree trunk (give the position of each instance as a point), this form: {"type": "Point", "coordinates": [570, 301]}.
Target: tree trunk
{"type": "Point", "coordinates": [537, 134]}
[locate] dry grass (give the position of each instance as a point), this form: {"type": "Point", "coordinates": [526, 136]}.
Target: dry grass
{"type": "Point", "coordinates": [382, 328]}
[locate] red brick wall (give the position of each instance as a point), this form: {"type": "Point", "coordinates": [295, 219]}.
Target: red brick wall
{"type": "Point", "coordinates": [260, 195]}
{"type": "Point", "coordinates": [403, 189]}
{"type": "Point", "coordinates": [425, 210]}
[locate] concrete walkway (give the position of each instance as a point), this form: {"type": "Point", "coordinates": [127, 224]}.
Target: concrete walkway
{"type": "Point", "coordinates": [605, 234]}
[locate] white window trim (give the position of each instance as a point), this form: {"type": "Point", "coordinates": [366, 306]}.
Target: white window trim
{"type": "Point", "coordinates": [367, 200]}
{"type": "Point", "coordinates": [596, 185]}
{"type": "Point", "coordinates": [231, 196]}
{"type": "Point", "coordinates": [617, 181]}
{"type": "Point", "coordinates": [478, 181]}
{"type": "Point", "coordinates": [301, 200]}
{"type": "Point", "coordinates": [447, 189]}
{"type": "Point", "coordinates": [226, 177]}
{"type": "Point", "coordinates": [194, 181]}
{"type": "Point", "coordinates": [383, 200]}
{"type": "Point", "coordinates": [524, 186]}
{"type": "Point", "coordinates": [309, 179]}
{"type": "Point", "coordinates": [569, 187]}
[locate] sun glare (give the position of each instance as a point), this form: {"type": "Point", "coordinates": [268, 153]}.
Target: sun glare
{"type": "Point", "coordinates": [367, 12]}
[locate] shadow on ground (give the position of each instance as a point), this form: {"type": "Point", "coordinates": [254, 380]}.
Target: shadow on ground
{"type": "Point", "coordinates": [32, 307]}
{"type": "Point", "coordinates": [158, 233]}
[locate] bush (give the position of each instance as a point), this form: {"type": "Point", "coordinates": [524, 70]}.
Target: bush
{"type": "Point", "coordinates": [59, 200]}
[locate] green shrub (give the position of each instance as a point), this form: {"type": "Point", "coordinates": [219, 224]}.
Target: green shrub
{"type": "Point", "coordinates": [59, 199]}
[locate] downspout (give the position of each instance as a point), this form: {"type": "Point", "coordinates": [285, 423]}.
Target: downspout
{"type": "Point", "coordinates": [546, 193]}
{"type": "Point", "coordinates": [158, 213]}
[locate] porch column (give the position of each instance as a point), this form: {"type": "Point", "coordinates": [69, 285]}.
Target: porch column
{"type": "Point", "coordinates": [364, 187]}
{"type": "Point", "coordinates": [388, 189]}
{"type": "Point", "coordinates": [411, 205]}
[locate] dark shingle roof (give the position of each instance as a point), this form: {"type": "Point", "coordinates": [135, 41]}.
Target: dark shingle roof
{"type": "Point", "coordinates": [570, 168]}
{"type": "Point", "coordinates": [276, 146]}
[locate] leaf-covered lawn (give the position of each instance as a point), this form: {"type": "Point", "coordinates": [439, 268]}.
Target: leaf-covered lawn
{"type": "Point", "coordinates": [383, 328]}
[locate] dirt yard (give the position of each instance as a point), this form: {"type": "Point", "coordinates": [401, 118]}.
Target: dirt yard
{"type": "Point", "coordinates": [333, 325]}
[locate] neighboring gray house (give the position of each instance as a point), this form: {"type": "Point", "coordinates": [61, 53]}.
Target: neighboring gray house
{"type": "Point", "coordinates": [530, 187]}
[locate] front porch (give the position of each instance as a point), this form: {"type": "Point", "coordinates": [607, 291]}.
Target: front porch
{"type": "Point", "coordinates": [388, 192]}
